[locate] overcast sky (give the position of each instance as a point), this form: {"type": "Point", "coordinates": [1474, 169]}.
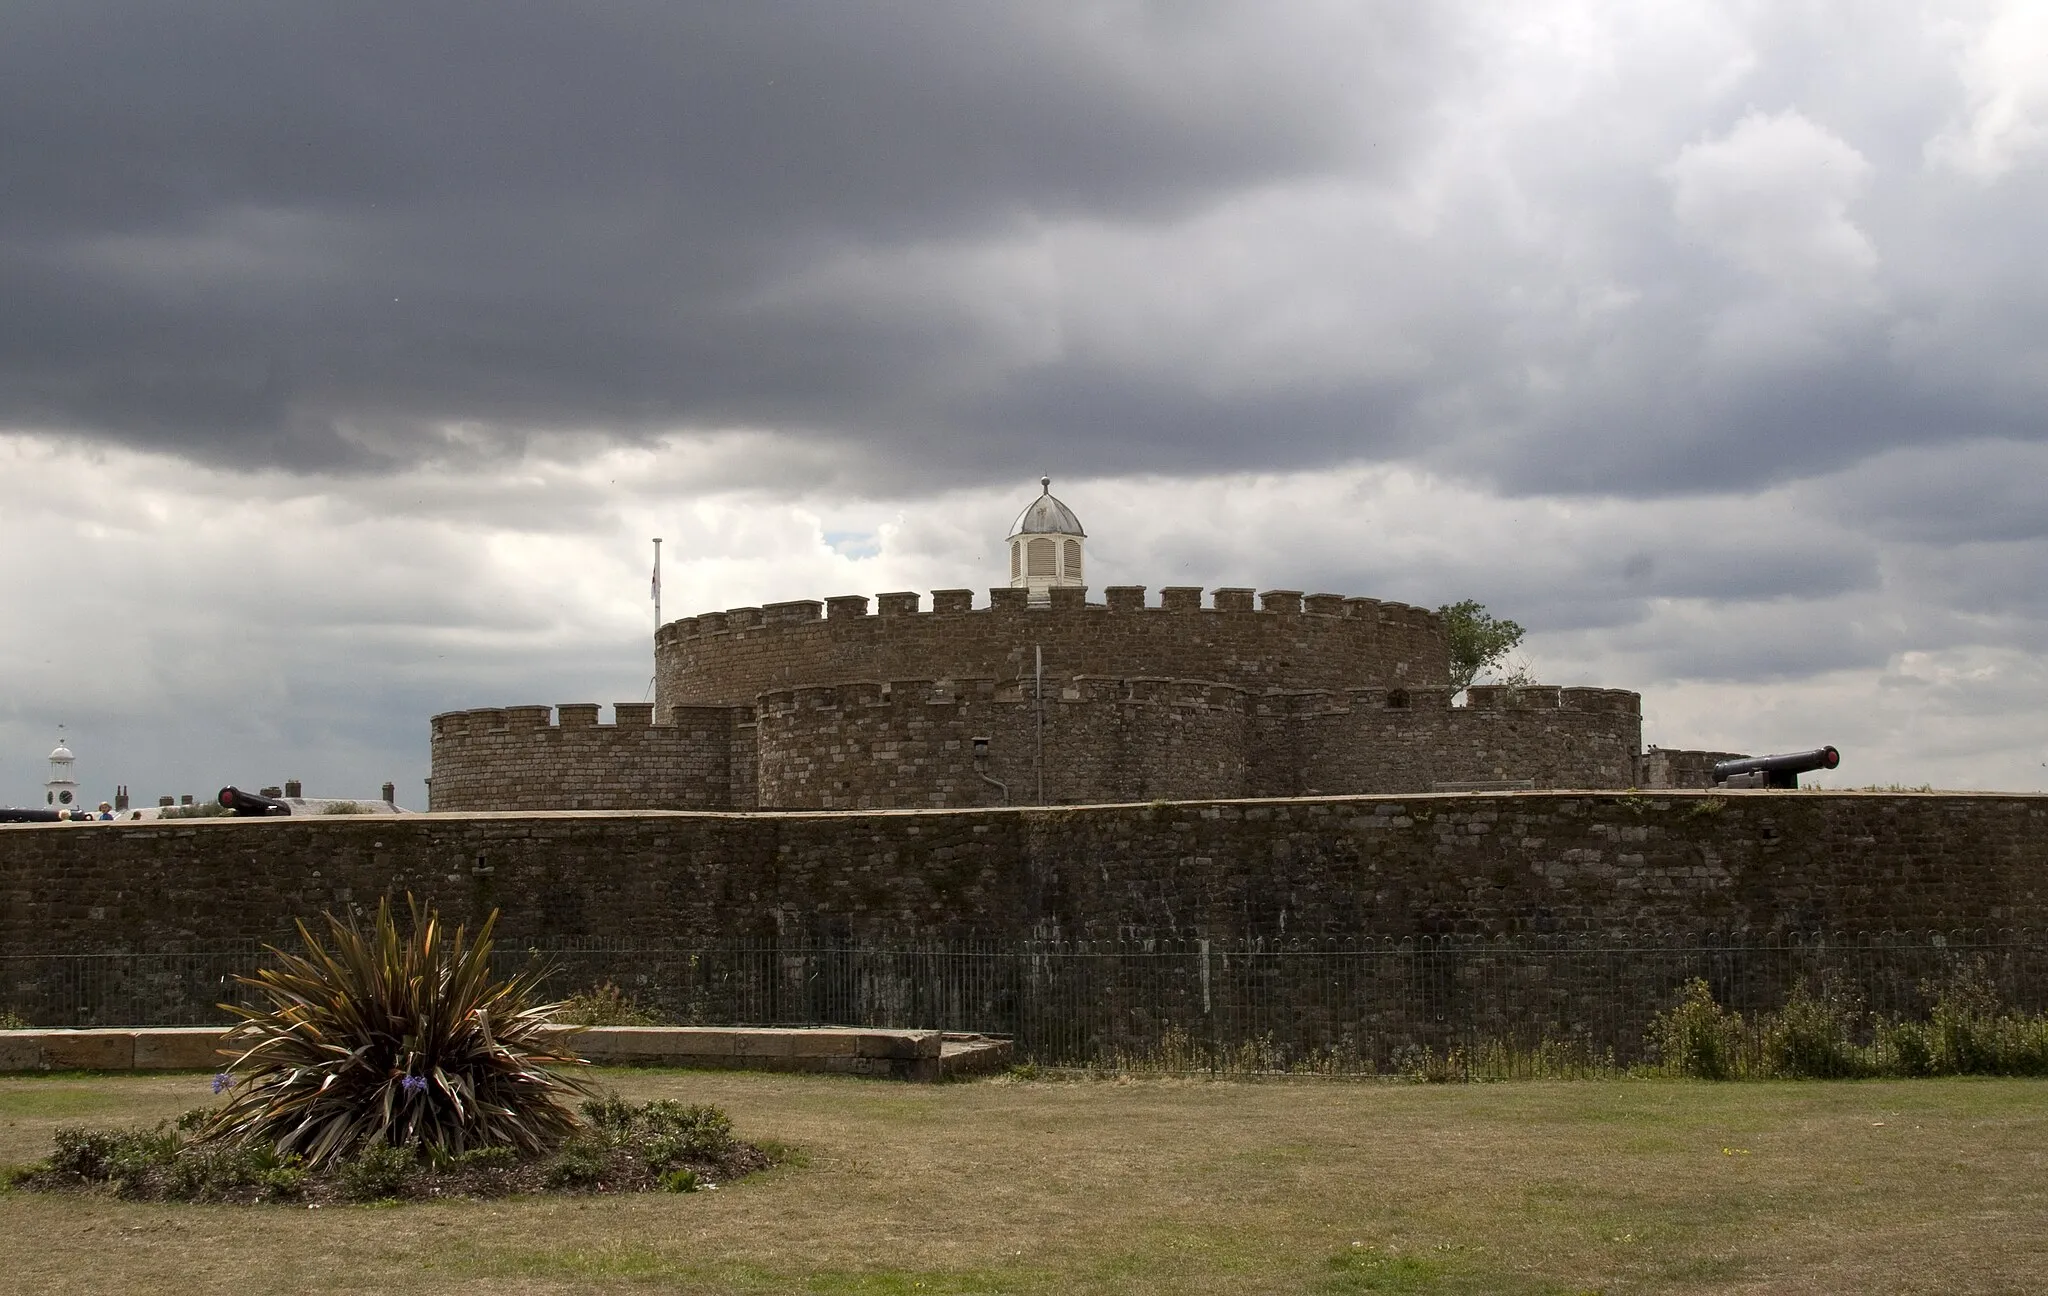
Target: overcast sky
{"type": "Point", "coordinates": [350, 355]}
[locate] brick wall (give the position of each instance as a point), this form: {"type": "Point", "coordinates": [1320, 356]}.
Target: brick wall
{"type": "Point", "coordinates": [1491, 863]}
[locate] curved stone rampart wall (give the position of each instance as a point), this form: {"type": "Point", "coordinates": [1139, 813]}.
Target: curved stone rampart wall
{"type": "Point", "coordinates": [873, 745]}
{"type": "Point", "coordinates": [1286, 641]}
{"type": "Point", "coordinates": [513, 758]}
{"type": "Point", "coordinates": [910, 743]}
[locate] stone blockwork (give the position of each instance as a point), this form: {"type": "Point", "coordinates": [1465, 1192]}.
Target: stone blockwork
{"type": "Point", "coordinates": [1276, 694]}
{"type": "Point", "coordinates": [512, 758]}
{"type": "Point", "coordinates": [1354, 866]}
{"type": "Point", "coordinates": [1322, 641]}
{"type": "Point", "coordinates": [1666, 767]}
{"type": "Point", "coordinates": [909, 744]}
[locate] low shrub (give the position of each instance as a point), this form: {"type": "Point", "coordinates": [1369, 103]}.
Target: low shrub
{"type": "Point", "coordinates": [649, 1144]}
{"type": "Point", "coordinates": [1697, 1037]}
{"type": "Point", "coordinates": [1969, 1031]}
{"type": "Point", "coordinates": [605, 1005]}
{"type": "Point", "coordinates": [662, 1146]}
{"type": "Point", "coordinates": [1812, 1037]}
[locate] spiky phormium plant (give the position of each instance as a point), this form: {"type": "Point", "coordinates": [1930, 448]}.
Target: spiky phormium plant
{"type": "Point", "coordinates": [396, 1038]}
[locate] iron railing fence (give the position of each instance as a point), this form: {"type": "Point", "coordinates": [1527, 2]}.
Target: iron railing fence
{"type": "Point", "coordinates": [1247, 1004]}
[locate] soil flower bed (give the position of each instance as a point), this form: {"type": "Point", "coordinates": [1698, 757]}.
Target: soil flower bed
{"type": "Point", "coordinates": [661, 1146]}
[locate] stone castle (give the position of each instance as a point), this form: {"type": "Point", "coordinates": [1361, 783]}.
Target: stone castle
{"type": "Point", "coordinates": [1043, 697]}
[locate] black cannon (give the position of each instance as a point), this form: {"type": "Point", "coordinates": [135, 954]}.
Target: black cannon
{"type": "Point", "coordinates": [1774, 771]}
{"type": "Point", "coordinates": [10, 815]}
{"type": "Point", "coordinates": [247, 804]}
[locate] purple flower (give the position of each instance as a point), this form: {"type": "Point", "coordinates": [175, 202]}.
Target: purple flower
{"type": "Point", "coordinates": [222, 1081]}
{"type": "Point", "coordinates": [413, 1084]}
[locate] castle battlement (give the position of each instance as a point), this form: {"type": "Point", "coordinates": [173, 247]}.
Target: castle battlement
{"type": "Point", "coordinates": [573, 715]}
{"type": "Point", "coordinates": [1257, 640]}
{"type": "Point", "coordinates": [1117, 599]}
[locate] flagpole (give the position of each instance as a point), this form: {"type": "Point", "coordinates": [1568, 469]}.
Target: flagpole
{"type": "Point", "coordinates": [655, 589]}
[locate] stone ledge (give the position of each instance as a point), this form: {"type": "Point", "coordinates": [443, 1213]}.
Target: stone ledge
{"type": "Point", "coordinates": [897, 1054]}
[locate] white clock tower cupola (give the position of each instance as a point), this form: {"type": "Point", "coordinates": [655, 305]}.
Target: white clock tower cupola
{"type": "Point", "coordinates": [61, 791]}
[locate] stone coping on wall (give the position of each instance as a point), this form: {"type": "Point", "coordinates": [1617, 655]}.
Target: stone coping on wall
{"type": "Point", "coordinates": [1118, 599]}
{"type": "Point", "coordinates": [1134, 689]}
{"type": "Point", "coordinates": [895, 1054]}
{"type": "Point", "coordinates": [1225, 806]}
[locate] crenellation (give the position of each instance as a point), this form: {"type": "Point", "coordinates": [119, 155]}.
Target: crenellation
{"type": "Point", "coordinates": [900, 603]}
{"type": "Point", "coordinates": [1124, 598]}
{"type": "Point", "coordinates": [1182, 598]}
{"type": "Point", "coordinates": [1280, 601]}
{"type": "Point", "coordinates": [841, 607]}
{"type": "Point", "coordinates": [1323, 604]}
{"type": "Point", "coordinates": [794, 612]}
{"type": "Point", "coordinates": [1229, 600]}
{"type": "Point", "coordinates": [577, 715]}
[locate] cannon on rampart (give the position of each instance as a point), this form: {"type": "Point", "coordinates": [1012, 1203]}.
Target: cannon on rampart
{"type": "Point", "coordinates": [250, 804]}
{"type": "Point", "coordinates": [1780, 771]}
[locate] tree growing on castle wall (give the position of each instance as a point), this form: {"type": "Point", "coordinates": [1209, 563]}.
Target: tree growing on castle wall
{"type": "Point", "coordinates": [1478, 641]}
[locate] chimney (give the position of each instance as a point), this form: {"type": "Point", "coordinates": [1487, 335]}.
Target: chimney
{"type": "Point", "coordinates": [391, 793]}
{"type": "Point", "coordinates": [291, 788]}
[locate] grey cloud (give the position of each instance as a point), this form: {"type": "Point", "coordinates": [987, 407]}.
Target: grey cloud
{"type": "Point", "coordinates": [1990, 490]}
{"type": "Point", "coordinates": [310, 237]}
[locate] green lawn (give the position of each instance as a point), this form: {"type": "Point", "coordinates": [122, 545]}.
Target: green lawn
{"type": "Point", "coordinates": [1158, 1186]}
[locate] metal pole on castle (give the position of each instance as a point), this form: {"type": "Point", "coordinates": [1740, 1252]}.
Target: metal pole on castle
{"type": "Point", "coordinates": [655, 589]}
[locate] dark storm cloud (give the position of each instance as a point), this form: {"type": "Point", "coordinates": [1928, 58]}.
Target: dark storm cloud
{"type": "Point", "coordinates": [938, 239]}
{"type": "Point", "coordinates": [305, 234]}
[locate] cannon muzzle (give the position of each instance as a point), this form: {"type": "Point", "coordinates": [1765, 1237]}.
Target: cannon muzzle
{"type": "Point", "coordinates": [1781, 771]}
{"type": "Point", "coordinates": [246, 804]}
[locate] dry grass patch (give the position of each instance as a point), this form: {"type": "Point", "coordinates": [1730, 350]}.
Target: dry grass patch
{"type": "Point", "coordinates": [1161, 1186]}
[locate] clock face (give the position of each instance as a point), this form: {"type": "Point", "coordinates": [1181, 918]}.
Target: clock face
{"type": "Point", "coordinates": [64, 798]}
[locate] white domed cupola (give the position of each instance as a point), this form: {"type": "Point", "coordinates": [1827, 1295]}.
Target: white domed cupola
{"type": "Point", "coordinates": [61, 791]}
{"type": "Point", "coordinates": [1046, 546]}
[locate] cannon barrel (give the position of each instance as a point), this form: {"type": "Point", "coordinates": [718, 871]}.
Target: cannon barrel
{"type": "Point", "coordinates": [10, 815]}
{"type": "Point", "coordinates": [1780, 771]}
{"type": "Point", "coordinates": [242, 804]}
